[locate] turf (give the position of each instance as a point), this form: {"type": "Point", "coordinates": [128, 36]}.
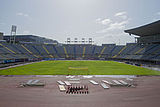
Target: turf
{"type": "Point", "coordinates": [94, 68]}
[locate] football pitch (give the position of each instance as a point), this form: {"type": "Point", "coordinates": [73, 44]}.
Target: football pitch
{"type": "Point", "coordinates": [78, 68]}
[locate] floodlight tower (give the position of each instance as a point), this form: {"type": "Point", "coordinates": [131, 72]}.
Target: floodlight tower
{"type": "Point", "coordinates": [75, 40]}
{"type": "Point", "coordinates": [68, 40]}
{"type": "Point", "coordinates": [13, 34]}
{"type": "Point", "coordinates": [90, 41]}
{"type": "Point", "coordinates": [83, 40]}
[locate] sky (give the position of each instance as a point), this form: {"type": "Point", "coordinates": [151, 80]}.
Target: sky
{"type": "Point", "coordinates": [102, 20]}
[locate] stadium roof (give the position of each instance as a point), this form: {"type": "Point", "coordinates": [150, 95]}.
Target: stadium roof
{"type": "Point", "coordinates": [146, 30]}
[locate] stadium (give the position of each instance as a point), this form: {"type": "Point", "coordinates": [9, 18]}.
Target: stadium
{"type": "Point", "coordinates": [30, 48]}
{"type": "Point", "coordinates": [83, 71]}
{"type": "Point", "coordinates": [79, 53]}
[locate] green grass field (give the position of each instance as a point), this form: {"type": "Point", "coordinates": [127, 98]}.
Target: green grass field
{"type": "Point", "coordinates": [94, 68]}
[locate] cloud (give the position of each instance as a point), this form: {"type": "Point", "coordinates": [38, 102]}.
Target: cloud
{"type": "Point", "coordinates": [22, 14]}
{"type": "Point", "coordinates": [122, 15]}
{"type": "Point", "coordinates": [106, 21]}
{"type": "Point", "coordinates": [113, 27]}
{"type": "Point", "coordinates": [98, 20]}
{"type": "Point", "coordinates": [118, 25]}
{"type": "Point", "coordinates": [118, 37]}
{"type": "Point", "coordinates": [103, 21]}
{"type": "Point", "coordinates": [19, 14]}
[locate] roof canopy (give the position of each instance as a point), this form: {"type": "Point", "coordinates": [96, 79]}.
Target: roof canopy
{"type": "Point", "coordinates": [146, 30]}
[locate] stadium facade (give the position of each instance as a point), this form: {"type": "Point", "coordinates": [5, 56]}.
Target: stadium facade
{"type": "Point", "coordinates": [146, 50]}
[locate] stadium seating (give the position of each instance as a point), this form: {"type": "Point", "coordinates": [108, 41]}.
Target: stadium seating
{"type": "Point", "coordinates": [84, 51]}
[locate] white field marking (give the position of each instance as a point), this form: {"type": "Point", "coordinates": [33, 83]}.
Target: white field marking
{"type": "Point", "coordinates": [67, 83]}
{"type": "Point", "coordinates": [104, 86]}
{"type": "Point", "coordinates": [117, 82]}
{"type": "Point", "coordinates": [61, 83]}
{"type": "Point", "coordinates": [34, 82]}
{"type": "Point", "coordinates": [123, 82]}
{"type": "Point", "coordinates": [29, 82]}
{"type": "Point", "coordinates": [62, 88]}
{"type": "Point", "coordinates": [93, 82]}
{"type": "Point", "coordinates": [107, 82]}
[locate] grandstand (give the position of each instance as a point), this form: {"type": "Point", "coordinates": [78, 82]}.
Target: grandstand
{"type": "Point", "coordinates": [147, 48]}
